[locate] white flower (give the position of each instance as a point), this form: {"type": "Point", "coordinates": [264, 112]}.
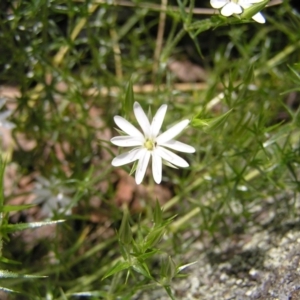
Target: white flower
{"type": "Point", "coordinates": [4, 115]}
{"type": "Point", "coordinates": [230, 7]}
{"type": "Point", "coordinates": [52, 196]}
{"type": "Point", "coordinates": [150, 143]}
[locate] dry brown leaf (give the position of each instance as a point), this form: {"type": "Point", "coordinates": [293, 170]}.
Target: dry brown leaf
{"type": "Point", "coordinates": [186, 71]}
{"type": "Point", "coordinates": [25, 143]}
{"type": "Point", "coordinates": [125, 188]}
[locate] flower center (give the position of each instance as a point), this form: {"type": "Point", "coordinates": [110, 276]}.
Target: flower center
{"type": "Point", "coordinates": [149, 144]}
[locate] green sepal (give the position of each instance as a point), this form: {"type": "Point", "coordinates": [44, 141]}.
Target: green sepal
{"type": "Point", "coordinates": [248, 13]}
{"type": "Point", "coordinates": [133, 168]}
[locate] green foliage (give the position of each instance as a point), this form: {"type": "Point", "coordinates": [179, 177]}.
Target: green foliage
{"type": "Point", "coordinates": [137, 253]}
{"type": "Point", "coordinates": [5, 229]}
{"type": "Point", "coordinates": [68, 67]}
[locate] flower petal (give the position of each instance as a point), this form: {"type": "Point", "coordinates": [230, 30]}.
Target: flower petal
{"type": "Point", "coordinates": [172, 132]}
{"type": "Point", "coordinates": [171, 157]}
{"type": "Point", "coordinates": [142, 165]}
{"type": "Point", "coordinates": [218, 3]}
{"type": "Point", "coordinates": [126, 158]}
{"type": "Point", "coordinates": [230, 9]}
{"type": "Point", "coordinates": [127, 127]}
{"type": "Point", "coordinates": [156, 167]}
{"type": "Point", "coordinates": [259, 18]}
{"type": "Point", "coordinates": [127, 141]}
{"type": "Point", "coordinates": [158, 120]}
{"type": "Point", "coordinates": [178, 146]}
{"type": "Point", "coordinates": [141, 118]}
{"type": "Point", "coordinates": [245, 4]}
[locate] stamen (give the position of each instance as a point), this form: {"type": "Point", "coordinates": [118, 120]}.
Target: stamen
{"type": "Point", "coordinates": [149, 145]}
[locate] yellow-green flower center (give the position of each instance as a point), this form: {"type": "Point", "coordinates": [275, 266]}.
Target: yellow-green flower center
{"type": "Point", "coordinates": [149, 144]}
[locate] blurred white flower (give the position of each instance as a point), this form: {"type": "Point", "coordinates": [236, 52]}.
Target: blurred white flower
{"type": "Point", "coordinates": [4, 115]}
{"type": "Point", "coordinates": [150, 143]}
{"type": "Point", "coordinates": [52, 196]}
{"type": "Point", "coordinates": [230, 7]}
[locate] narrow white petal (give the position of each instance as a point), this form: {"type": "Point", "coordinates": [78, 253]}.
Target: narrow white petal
{"type": "Point", "coordinates": [230, 9]}
{"type": "Point", "coordinates": [156, 167]}
{"type": "Point", "coordinates": [142, 166]}
{"type": "Point", "coordinates": [127, 127]}
{"type": "Point", "coordinates": [7, 124]}
{"type": "Point", "coordinates": [127, 141]}
{"type": "Point", "coordinates": [158, 120]}
{"type": "Point", "coordinates": [245, 4]}
{"type": "Point", "coordinates": [141, 118]}
{"type": "Point", "coordinates": [172, 132]}
{"type": "Point", "coordinates": [259, 18]}
{"type": "Point", "coordinates": [5, 114]}
{"type": "Point", "coordinates": [126, 158]}
{"type": "Point", "coordinates": [171, 157]}
{"type": "Point", "coordinates": [218, 3]}
{"type": "Point", "coordinates": [178, 146]}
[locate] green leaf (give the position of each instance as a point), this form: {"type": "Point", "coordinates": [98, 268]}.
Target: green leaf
{"type": "Point", "coordinates": [146, 255]}
{"type": "Point", "coordinates": [168, 269]}
{"type": "Point", "coordinates": [180, 268]}
{"type": "Point", "coordinates": [248, 13]}
{"type": "Point", "coordinates": [295, 72]}
{"type": "Point", "coordinates": [9, 208]}
{"type": "Point", "coordinates": [157, 214]}
{"type": "Point", "coordinates": [129, 99]}
{"type": "Point", "coordinates": [8, 228]}
{"type": "Point", "coordinates": [118, 267]}
{"type": "Point", "coordinates": [154, 236]}
{"type": "Point", "coordinates": [9, 261]}
{"type": "Point", "coordinates": [142, 269]}
{"type": "Point", "coordinates": [9, 274]}
{"type": "Point", "coordinates": [201, 26]}
{"type": "Point", "coordinates": [7, 290]}
{"type": "Point", "coordinates": [169, 292]}
{"type": "Point", "coordinates": [125, 233]}
{"type": "Point", "coordinates": [210, 124]}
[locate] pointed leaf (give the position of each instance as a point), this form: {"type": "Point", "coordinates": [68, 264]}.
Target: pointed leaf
{"type": "Point", "coordinates": [125, 233]}
{"type": "Point", "coordinates": [9, 274]}
{"type": "Point", "coordinates": [9, 208]}
{"type": "Point", "coordinates": [157, 214]}
{"type": "Point", "coordinates": [142, 269]}
{"type": "Point", "coordinates": [129, 99]}
{"type": "Point", "coordinates": [210, 124]}
{"type": "Point", "coordinates": [8, 228]}
{"type": "Point", "coordinates": [118, 267]}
